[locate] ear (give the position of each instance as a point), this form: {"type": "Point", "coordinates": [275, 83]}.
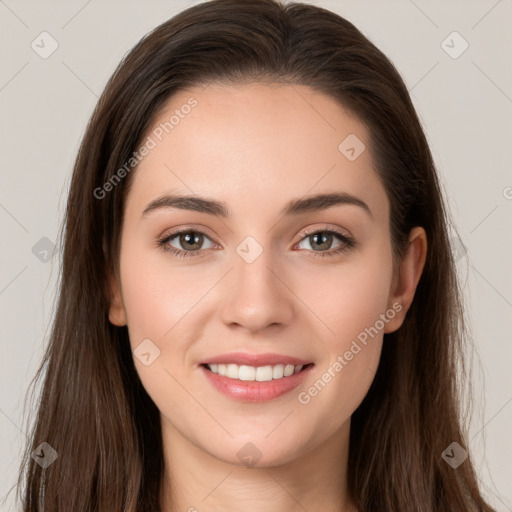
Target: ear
{"type": "Point", "coordinates": [406, 279]}
{"type": "Point", "coordinates": [116, 313]}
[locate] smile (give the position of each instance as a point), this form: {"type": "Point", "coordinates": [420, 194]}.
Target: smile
{"type": "Point", "coordinates": [255, 383]}
{"type": "Point", "coordinates": [253, 373]}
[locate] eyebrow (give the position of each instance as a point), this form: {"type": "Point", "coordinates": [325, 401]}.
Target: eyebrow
{"type": "Point", "coordinates": [298, 206]}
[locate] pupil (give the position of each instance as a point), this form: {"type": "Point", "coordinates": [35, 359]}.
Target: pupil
{"type": "Point", "coordinates": [323, 238]}
{"type": "Point", "coordinates": [191, 239]}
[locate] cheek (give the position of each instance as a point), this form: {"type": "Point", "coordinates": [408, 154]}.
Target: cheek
{"type": "Point", "coordinates": [165, 303]}
{"type": "Point", "coordinates": [159, 305]}
{"type": "Point", "coordinates": [156, 296]}
{"type": "Point", "coordinates": [348, 297]}
{"type": "Point", "coordinates": [351, 303]}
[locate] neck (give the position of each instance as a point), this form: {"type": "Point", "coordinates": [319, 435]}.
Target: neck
{"type": "Point", "coordinates": [196, 481]}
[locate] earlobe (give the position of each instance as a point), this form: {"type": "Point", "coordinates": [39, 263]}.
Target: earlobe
{"type": "Point", "coordinates": [404, 286]}
{"type": "Point", "coordinates": [117, 313]}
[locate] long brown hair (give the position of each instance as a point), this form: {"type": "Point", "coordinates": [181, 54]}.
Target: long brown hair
{"type": "Point", "coordinates": [93, 410]}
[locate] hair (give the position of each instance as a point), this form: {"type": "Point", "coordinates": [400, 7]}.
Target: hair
{"type": "Point", "coordinates": [93, 409]}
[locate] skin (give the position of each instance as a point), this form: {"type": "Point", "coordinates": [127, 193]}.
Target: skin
{"type": "Point", "coordinates": [256, 147]}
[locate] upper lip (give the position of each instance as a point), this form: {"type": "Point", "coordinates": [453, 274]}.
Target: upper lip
{"type": "Point", "coordinates": [243, 358]}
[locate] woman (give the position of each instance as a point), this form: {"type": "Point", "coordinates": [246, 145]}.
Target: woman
{"type": "Point", "coordinates": [259, 307]}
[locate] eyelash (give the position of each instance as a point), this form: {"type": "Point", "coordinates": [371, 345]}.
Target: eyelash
{"type": "Point", "coordinates": [347, 243]}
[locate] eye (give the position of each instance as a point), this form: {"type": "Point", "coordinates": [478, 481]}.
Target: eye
{"type": "Point", "coordinates": [188, 239]}
{"type": "Point", "coordinates": [323, 240]}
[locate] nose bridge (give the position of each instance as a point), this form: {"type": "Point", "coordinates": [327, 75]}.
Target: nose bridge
{"type": "Point", "coordinates": [256, 296]}
{"type": "Point", "coordinates": [255, 266]}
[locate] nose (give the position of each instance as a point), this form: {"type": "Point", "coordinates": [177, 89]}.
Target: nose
{"type": "Point", "coordinates": [256, 294]}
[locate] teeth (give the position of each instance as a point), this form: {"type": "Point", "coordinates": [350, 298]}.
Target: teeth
{"type": "Point", "coordinates": [252, 373]}
{"type": "Point", "coordinates": [242, 372]}
{"type": "Point", "coordinates": [278, 371]}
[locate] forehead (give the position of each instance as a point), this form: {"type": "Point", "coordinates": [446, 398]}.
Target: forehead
{"type": "Point", "coordinates": [250, 143]}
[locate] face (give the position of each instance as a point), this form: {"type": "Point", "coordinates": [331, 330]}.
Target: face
{"type": "Point", "coordinates": [262, 279]}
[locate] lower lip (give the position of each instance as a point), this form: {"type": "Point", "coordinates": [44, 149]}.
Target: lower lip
{"type": "Point", "coordinates": [255, 391]}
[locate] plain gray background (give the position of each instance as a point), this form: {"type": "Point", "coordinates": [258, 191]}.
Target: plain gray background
{"type": "Point", "coordinates": [464, 101]}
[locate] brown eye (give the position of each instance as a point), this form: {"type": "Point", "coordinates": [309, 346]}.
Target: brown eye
{"type": "Point", "coordinates": [191, 240]}
{"type": "Point", "coordinates": [185, 242]}
{"type": "Point", "coordinates": [321, 241]}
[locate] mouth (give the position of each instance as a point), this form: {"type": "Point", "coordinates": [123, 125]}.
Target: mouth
{"type": "Point", "coordinates": [245, 383]}
{"type": "Point", "coordinates": [256, 373]}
